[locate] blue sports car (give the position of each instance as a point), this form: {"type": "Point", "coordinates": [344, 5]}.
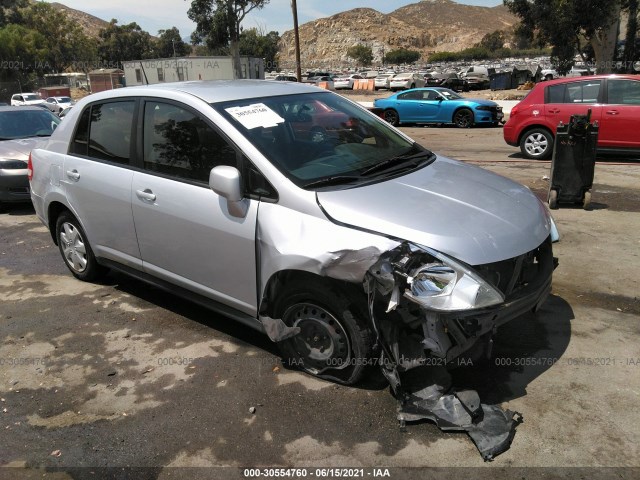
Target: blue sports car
{"type": "Point", "coordinates": [438, 105]}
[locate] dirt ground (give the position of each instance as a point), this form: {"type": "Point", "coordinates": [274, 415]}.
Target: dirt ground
{"type": "Point", "coordinates": [95, 378]}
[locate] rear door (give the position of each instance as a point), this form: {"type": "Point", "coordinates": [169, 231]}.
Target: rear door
{"type": "Point", "coordinates": [573, 98]}
{"type": "Point", "coordinates": [621, 115]}
{"type": "Point", "coordinates": [97, 179]}
{"type": "Point", "coordinates": [185, 232]}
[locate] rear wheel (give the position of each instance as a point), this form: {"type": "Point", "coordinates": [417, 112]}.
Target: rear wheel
{"type": "Point", "coordinates": [537, 144]}
{"type": "Point", "coordinates": [392, 117]}
{"type": "Point", "coordinates": [334, 340]}
{"type": "Point", "coordinates": [463, 118]}
{"type": "Point", "coordinates": [75, 249]}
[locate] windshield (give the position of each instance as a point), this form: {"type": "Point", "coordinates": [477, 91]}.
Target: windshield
{"type": "Point", "coordinates": [449, 94]}
{"type": "Point", "coordinates": [318, 136]}
{"type": "Point", "coordinates": [64, 99]}
{"type": "Point", "coordinates": [27, 123]}
{"type": "Point", "coordinates": [28, 98]}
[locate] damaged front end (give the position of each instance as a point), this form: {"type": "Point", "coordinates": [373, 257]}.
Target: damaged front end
{"type": "Point", "coordinates": [428, 309]}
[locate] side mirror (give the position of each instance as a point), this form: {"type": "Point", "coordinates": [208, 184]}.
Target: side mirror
{"type": "Point", "coordinates": [226, 182]}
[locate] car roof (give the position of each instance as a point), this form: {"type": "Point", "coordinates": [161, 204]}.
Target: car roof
{"type": "Point", "coordinates": [587, 78]}
{"type": "Point", "coordinates": [25, 108]}
{"type": "Point", "coordinates": [214, 91]}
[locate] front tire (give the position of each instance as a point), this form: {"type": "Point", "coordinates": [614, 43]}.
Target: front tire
{"type": "Point", "coordinates": [537, 144]}
{"type": "Point", "coordinates": [392, 117]}
{"type": "Point", "coordinates": [75, 249]}
{"type": "Point", "coordinates": [334, 342]}
{"type": "Point", "coordinates": [463, 118]}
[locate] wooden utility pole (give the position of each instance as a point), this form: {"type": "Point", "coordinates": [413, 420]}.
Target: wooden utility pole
{"type": "Point", "coordinates": [294, 7]}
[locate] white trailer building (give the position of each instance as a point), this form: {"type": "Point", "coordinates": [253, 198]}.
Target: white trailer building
{"type": "Point", "coordinates": [161, 70]}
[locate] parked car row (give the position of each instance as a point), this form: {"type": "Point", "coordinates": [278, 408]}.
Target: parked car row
{"type": "Point", "coordinates": [55, 104]}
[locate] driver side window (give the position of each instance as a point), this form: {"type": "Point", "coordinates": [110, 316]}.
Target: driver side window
{"type": "Point", "coordinates": [179, 143]}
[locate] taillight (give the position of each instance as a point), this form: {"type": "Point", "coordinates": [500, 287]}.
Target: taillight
{"type": "Point", "coordinates": [30, 169]}
{"type": "Point", "coordinates": [514, 110]}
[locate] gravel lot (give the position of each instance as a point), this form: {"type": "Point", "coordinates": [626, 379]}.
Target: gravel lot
{"type": "Point", "coordinates": [119, 374]}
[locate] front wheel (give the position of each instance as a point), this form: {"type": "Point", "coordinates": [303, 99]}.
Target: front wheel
{"type": "Point", "coordinates": [463, 118]}
{"type": "Point", "coordinates": [334, 341]}
{"type": "Point", "coordinates": [392, 117]}
{"type": "Point", "coordinates": [75, 249]}
{"type": "Point", "coordinates": [537, 144]}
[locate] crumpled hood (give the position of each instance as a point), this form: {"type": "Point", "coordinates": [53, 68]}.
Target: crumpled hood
{"type": "Point", "coordinates": [18, 149]}
{"type": "Point", "coordinates": [463, 211]}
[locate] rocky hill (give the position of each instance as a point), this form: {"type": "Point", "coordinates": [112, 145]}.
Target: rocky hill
{"type": "Point", "coordinates": [427, 26]}
{"type": "Point", "coordinates": [90, 25]}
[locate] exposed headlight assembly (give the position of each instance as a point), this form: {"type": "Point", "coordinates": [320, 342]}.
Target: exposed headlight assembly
{"type": "Point", "coordinates": [446, 285]}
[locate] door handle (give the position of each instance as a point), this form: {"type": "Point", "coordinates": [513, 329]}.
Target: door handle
{"type": "Point", "coordinates": [613, 112]}
{"type": "Point", "coordinates": [73, 174]}
{"type": "Point", "coordinates": [146, 195]}
{"type": "Point", "coordinates": [555, 110]}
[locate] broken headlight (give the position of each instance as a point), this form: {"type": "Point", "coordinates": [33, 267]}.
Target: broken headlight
{"type": "Point", "coordinates": [446, 285]}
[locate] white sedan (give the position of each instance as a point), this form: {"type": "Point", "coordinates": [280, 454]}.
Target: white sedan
{"type": "Point", "coordinates": [345, 82]}
{"type": "Point", "coordinates": [404, 81]}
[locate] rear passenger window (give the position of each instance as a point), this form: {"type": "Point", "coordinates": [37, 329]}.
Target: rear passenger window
{"type": "Point", "coordinates": [575, 92]}
{"type": "Point", "coordinates": [110, 131]}
{"type": "Point", "coordinates": [181, 144]}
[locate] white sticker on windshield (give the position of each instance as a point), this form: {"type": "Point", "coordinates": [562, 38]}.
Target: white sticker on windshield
{"type": "Point", "coordinates": [256, 115]}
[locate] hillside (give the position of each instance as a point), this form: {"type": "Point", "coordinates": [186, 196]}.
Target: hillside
{"type": "Point", "coordinates": [427, 26]}
{"type": "Point", "coordinates": [90, 25]}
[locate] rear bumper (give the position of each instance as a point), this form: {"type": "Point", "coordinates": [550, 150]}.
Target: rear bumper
{"type": "Point", "coordinates": [510, 135]}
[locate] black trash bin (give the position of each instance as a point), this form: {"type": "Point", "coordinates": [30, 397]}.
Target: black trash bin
{"type": "Point", "coordinates": [573, 162]}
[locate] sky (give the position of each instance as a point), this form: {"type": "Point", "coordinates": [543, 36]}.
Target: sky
{"type": "Point", "coordinates": [154, 15]}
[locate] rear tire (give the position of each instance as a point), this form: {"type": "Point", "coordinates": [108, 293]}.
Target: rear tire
{"type": "Point", "coordinates": [335, 341]}
{"type": "Point", "coordinates": [392, 117]}
{"type": "Point", "coordinates": [75, 249]}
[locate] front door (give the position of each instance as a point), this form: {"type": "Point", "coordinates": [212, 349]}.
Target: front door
{"type": "Point", "coordinates": [185, 232]}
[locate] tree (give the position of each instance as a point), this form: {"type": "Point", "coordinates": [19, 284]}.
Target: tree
{"type": "Point", "coordinates": [218, 24]}
{"type": "Point", "coordinates": [9, 9]}
{"type": "Point", "coordinates": [254, 43]}
{"type": "Point", "coordinates": [630, 54]}
{"type": "Point", "coordinates": [121, 43]}
{"type": "Point", "coordinates": [23, 49]}
{"type": "Point", "coordinates": [492, 41]}
{"type": "Point", "coordinates": [361, 54]}
{"type": "Point", "coordinates": [67, 43]}
{"type": "Point", "coordinates": [563, 23]}
{"type": "Point", "coordinates": [401, 56]}
{"type": "Point", "coordinates": [169, 44]}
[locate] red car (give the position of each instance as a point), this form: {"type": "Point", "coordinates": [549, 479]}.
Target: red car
{"type": "Point", "coordinates": [614, 101]}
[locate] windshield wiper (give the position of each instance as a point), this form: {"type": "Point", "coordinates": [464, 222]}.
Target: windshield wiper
{"type": "Point", "coordinates": [334, 180]}
{"type": "Point", "coordinates": [407, 160]}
